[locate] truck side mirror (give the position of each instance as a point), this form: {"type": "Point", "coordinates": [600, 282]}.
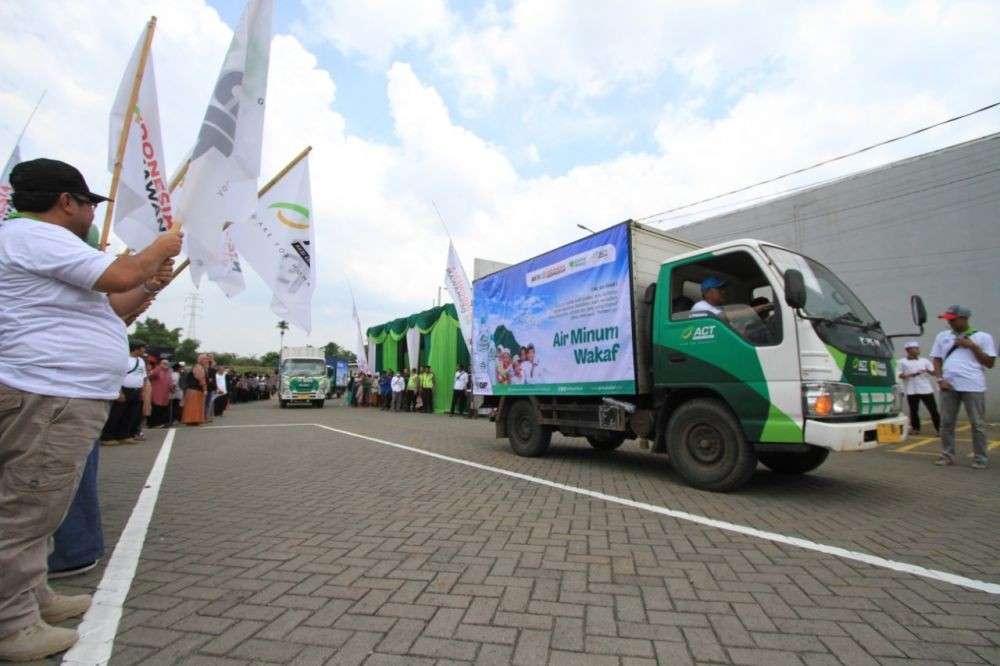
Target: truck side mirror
{"type": "Point", "coordinates": [918, 311]}
{"type": "Point", "coordinates": [795, 289]}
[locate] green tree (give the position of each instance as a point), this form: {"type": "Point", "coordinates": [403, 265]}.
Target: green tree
{"type": "Point", "coordinates": [187, 351]}
{"type": "Point", "coordinates": [269, 359]}
{"type": "Point", "coordinates": [156, 334]}
{"type": "Point", "coordinates": [333, 349]}
{"type": "Point", "coordinates": [282, 327]}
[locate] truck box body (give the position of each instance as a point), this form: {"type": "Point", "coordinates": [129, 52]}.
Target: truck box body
{"type": "Point", "coordinates": [566, 322]}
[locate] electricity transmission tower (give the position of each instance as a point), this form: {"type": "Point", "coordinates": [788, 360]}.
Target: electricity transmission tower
{"type": "Point", "coordinates": [192, 307]}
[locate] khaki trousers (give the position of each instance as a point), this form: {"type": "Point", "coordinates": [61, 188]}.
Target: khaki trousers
{"type": "Point", "coordinates": [44, 443]}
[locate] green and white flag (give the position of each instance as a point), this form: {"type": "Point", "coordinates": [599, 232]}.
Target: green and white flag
{"type": "Point", "coordinates": [278, 241]}
{"type": "Point", "coordinates": [5, 188]}
{"type": "Point", "coordinates": [221, 182]}
{"type": "Point", "coordinates": [143, 206]}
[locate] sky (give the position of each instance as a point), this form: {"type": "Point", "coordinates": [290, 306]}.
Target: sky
{"type": "Point", "coordinates": [518, 119]}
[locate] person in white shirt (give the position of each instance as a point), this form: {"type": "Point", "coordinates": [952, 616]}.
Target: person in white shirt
{"type": "Point", "coordinates": [961, 356]}
{"type": "Point", "coordinates": [398, 386]}
{"type": "Point", "coordinates": [458, 391]}
{"type": "Point", "coordinates": [712, 297]}
{"type": "Point", "coordinates": [917, 374]}
{"type": "Point", "coordinates": [56, 289]}
{"type": "Point", "coordinates": [125, 417]}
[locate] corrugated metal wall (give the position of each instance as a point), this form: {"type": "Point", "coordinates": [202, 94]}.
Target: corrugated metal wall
{"type": "Point", "coordinates": [928, 225]}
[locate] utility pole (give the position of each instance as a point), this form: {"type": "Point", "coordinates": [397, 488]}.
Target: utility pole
{"type": "Point", "coordinates": [192, 307]}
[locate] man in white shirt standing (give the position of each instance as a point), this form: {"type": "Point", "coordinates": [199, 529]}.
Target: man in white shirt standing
{"type": "Point", "coordinates": [917, 374]}
{"type": "Point", "coordinates": [125, 417]}
{"type": "Point", "coordinates": [458, 391]}
{"type": "Point", "coordinates": [52, 405]}
{"type": "Point", "coordinates": [398, 386]}
{"type": "Point", "coordinates": [961, 356]}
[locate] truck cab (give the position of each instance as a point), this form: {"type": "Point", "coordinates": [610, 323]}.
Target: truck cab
{"type": "Point", "coordinates": [795, 376]}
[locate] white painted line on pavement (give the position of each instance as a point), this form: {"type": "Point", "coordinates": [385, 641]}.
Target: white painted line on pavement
{"type": "Point", "coordinates": [835, 551]}
{"type": "Point", "coordinates": [253, 425]}
{"type": "Point", "coordinates": [100, 624]}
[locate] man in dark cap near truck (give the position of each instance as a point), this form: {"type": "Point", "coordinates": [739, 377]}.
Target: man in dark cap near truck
{"type": "Point", "coordinates": [56, 289]}
{"type": "Point", "coordinates": [961, 356]}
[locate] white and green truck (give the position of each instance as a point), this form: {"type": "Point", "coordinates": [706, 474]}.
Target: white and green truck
{"type": "Point", "coordinates": [606, 338]}
{"type": "Point", "coordinates": [302, 377]}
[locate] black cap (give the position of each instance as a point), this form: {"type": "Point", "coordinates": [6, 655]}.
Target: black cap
{"type": "Point", "coordinates": [45, 176]}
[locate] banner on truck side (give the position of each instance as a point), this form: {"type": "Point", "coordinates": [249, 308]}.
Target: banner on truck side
{"type": "Point", "coordinates": [560, 323]}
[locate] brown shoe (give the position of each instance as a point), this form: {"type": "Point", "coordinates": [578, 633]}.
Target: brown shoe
{"type": "Point", "coordinates": [130, 440]}
{"type": "Point", "coordinates": [111, 442]}
{"type": "Point", "coordinates": [36, 642]}
{"type": "Point", "coordinates": [63, 607]}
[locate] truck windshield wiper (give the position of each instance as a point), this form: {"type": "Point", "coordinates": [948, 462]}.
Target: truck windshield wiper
{"type": "Point", "coordinates": [848, 318]}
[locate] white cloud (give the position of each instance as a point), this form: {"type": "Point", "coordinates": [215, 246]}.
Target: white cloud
{"type": "Point", "coordinates": [377, 28]}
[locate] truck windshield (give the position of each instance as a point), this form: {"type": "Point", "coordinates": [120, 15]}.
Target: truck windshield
{"type": "Point", "coordinates": [827, 296]}
{"type": "Point", "coordinates": [294, 367]}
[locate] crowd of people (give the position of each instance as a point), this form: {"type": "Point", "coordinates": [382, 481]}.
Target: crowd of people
{"type": "Point", "coordinates": [407, 390]}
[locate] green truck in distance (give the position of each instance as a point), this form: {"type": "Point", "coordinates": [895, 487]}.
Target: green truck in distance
{"type": "Point", "coordinates": [609, 338]}
{"type": "Point", "coordinates": [302, 377]}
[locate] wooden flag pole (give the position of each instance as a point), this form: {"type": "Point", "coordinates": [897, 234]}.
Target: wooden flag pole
{"type": "Point", "coordinates": [123, 136]}
{"type": "Point", "coordinates": [267, 186]}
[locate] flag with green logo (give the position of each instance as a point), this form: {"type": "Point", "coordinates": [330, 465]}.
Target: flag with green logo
{"type": "Point", "coordinates": [278, 242]}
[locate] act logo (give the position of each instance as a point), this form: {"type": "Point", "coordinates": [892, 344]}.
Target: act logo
{"type": "Point", "coordinates": [698, 333]}
{"type": "Point", "coordinates": [292, 215]}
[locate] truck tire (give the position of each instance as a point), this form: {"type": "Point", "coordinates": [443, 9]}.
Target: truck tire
{"type": "Point", "coordinates": [527, 436]}
{"type": "Point", "coordinates": [318, 403]}
{"type": "Point", "coordinates": [606, 441]}
{"type": "Point", "coordinates": [707, 447]}
{"type": "Point", "coordinates": [282, 403]}
{"type": "Point", "coordinates": [794, 463]}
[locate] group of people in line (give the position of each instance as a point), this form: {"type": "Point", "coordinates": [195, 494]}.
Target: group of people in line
{"type": "Point", "coordinates": [406, 390]}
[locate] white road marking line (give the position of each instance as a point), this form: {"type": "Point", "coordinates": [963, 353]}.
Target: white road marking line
{"type": "Point", "coordinates": [100, 624]}
{"type": "Point", "coordinates": [252, 425]}
{"type": "Point", "coordinates": [835, 551]}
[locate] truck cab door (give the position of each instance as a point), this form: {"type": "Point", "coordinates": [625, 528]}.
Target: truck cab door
{"type": "Point", "coordinates": [747, 360]}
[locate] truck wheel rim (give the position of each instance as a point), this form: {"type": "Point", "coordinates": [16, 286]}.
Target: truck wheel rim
{"type": "Point", "coordinates": [524, 428]}
{"type": "Point", "coordinates": [705, 444]}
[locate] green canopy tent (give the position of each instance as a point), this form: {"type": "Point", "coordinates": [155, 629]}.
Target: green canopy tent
{"type": "Point", "coordinates": [441, 347]}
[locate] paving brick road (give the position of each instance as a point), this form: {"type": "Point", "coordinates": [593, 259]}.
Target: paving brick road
{"type": "Point", "coordinates": [301, 545]}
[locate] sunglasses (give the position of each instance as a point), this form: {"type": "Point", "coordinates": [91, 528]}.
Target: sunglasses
{"type": "Point", "coordinates": [84, 200]}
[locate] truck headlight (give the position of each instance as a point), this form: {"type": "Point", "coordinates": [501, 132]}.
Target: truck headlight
{"type": "Point", "coordinates": [829, 399]}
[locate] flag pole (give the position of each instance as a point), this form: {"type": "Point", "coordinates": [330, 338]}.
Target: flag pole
{"type": "Point", "coordinates": [281, 174]}
{"type": "Point", "coordinates": [123, 135]}
{"type": "Point", "coordinates": [267, 186]}
{"type": "Point", "coordinates": [30, 116]}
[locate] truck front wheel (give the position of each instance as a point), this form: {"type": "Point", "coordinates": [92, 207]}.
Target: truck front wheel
{"type": "Point", "coordinates": [606, 441]}
{"type": "Point", "coordinates": [527, 436]}
{"type": "Point", "coordinates": [707, 447]}
{"type": "Point", "coordinates": [794, 463]}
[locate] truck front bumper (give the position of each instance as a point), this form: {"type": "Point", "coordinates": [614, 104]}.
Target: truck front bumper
{"type": "Point", "coordinates": [854, 436]}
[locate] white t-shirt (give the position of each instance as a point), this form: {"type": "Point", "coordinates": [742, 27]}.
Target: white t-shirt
{"type": "Point", "coordinates": [58, 337]}
{"type": "Point", "coordinates": [961, 368]}
{"type": "Point", "coordinates": [135, 373]}
{"type": "Point", "coordinates": [461, 379]}
{"type": "Point", "coordinates": [705, 306]}
{"type": "Point", "coordinates": [920, 384]}
{"type": "Point", "coordinates": [398, 384]}
{"type": "Point", "coordinates": [220, 383]}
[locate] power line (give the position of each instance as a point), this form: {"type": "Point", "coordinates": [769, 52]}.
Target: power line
{"type": "Point", "coordinates": [823, 162]}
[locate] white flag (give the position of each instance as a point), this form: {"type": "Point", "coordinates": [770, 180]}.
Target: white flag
{"type": "Point", "coordinates": [5, 188]}
{"type": "Point", "coordinates": [221, 181]}
{"type": "Point", "coordinates": [278, 241]}
{"type": "Point", "coordinates": [228, 273]}
{"type": "Point", "coordinates": [461, 293]}
{"type": "Point", "coordinates": [359, 345]}
{"type": "Point", "coordinates": [143, 207]}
